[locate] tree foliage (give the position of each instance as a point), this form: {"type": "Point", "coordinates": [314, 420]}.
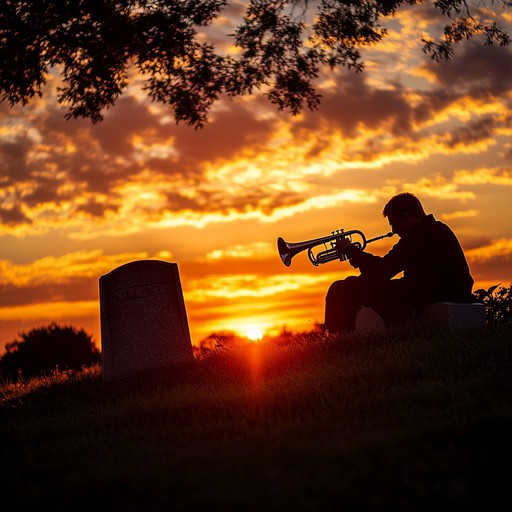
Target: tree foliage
{"type": "Point", "coordinates": [282, 46]}
{"type": "Point", "coordinates": [48, 348]}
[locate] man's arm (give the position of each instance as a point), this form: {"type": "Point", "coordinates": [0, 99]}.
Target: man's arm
{"type": "Point", "coordinates": [379, 267]}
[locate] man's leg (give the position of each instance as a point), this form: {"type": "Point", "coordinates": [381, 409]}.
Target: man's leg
{"type": "Point", "coordinates": [345, 298]}
{"type": "Point", "coordinates": [342, 302]}
{"type": "Point", "coordinates": [391, 301]}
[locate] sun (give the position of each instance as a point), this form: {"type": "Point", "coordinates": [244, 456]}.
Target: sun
{"type": "Point", "coordinates": [254, 334]}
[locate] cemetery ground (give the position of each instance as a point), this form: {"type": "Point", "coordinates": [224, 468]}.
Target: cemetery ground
{"type": "Point", "coordinates": [405, 420]}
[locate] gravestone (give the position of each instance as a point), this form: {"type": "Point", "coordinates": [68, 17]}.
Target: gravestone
{"type": "Point", "coordinates": [368, 321]}
{"type": "Point", "coordinates": [143, 319]}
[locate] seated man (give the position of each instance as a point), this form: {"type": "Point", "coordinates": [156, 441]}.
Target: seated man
{"type": "Point", "coordinates": [429, 254]}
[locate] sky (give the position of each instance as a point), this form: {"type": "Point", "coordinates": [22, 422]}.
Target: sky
{"type": "Point", "coordinates": [78, 200]}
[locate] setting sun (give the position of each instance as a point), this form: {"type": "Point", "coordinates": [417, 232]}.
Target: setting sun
{"type": "Point", "coordinates": [254, 334]}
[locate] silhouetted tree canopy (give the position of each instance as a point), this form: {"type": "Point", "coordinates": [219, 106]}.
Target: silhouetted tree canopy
{"type": "Point", "coordinates": [47, 348]}
{"type": "Point", "coordinates": [282, 46]}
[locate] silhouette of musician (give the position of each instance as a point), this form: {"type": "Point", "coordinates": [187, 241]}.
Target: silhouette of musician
{"type": "Point", "coordinates": [429, 255]}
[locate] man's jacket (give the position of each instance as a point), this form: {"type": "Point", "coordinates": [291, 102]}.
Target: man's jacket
{"type": "Point", "coordinates": [432, 260]}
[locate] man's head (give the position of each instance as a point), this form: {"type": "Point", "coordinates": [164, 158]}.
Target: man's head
{"type": "Point", "coordinates": [403, 211]}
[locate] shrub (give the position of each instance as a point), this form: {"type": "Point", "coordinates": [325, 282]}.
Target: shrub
{"type": "Point", "coordinates": [217, 342]}
{"type": "Point", "coordinates": [45, 349]}
{"type": "Point", "coordinates": [497, 301]}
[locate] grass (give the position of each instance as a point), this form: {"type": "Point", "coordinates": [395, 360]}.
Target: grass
{"type": "Point", "coordinates": [405, 421]}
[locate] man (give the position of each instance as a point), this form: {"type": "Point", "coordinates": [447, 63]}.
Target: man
{"type": "Point", "coordinates": [429, 255]}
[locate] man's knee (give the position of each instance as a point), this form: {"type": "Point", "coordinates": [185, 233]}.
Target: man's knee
{"type": "Point", "coordinates": [342, 302]}
{"type": "Point", "coordinates": [344, 287]}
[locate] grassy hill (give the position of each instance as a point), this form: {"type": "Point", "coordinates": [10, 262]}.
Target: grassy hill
{"type": "Point", "coordinates": [404, 421]}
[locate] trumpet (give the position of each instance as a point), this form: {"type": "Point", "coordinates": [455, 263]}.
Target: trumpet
{"type": "Point", "coordinates": [288, 250]}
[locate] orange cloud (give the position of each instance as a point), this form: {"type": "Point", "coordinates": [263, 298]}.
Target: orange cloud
{"type": "Point", "coordinates": [60, 269]}
{"type": "Point", "coordinates": [498, 248]}
{"type": "Point", "coordinates": [460, 214]}
{"type": "Point", "coordinates": [495, 176]}
{"type": "Point", "coordinates": [50, 311]}
{"type": "Point", "coordinates": [255, 250]}
{"type": "Point", "coordinates": [238, 286]}
{"type": "Point", "coordinates": [438, 187]}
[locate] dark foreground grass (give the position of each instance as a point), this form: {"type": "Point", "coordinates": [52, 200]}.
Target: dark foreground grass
{"type": "Point", "coordinates": [404, 421]}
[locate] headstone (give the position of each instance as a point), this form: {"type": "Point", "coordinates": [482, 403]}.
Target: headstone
{"type": "Point", "coordinates": [455, 315]}
{"type": "Point", "coordinates": [368, 320]}
{"type": "Point", "coordinates": [143, 319]}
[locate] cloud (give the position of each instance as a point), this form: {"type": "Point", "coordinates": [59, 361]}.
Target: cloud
{"type": "Point", "coordinates": [354, 104]}
{"type": "Point", "coordinates": [459, 214]}
{"type": "Point", "coordinates": [501, 248]}
{"type": "Point", "coordinates": [12, 215]}
{"type": "Point", "coordinates": [438, 187]}
{"type": "Point", "coordinates": [62, 269]}
{"type": "Point", "coordinates": [484, 176]}
{"type": "Point", "coordinates": [494, 67]}
{"type": "Point", "coordinates": [58, 311]}
{"type": "Point", "coordinates": [255, 250]}
{"type": "Point", "coordinates": [473, 133]}
{"type": "Point", "coordinates": [491, 263]}
{"type": "Point", "coordinates": [14, 147]}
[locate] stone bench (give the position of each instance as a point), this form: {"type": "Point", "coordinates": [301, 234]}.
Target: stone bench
{"type": "Point", "coordinates": [452, 315]}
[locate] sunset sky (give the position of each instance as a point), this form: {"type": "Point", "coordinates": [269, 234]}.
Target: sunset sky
{"type": "Point", "coordinates": [77, 200]}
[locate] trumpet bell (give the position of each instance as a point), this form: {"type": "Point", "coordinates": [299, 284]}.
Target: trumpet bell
{"type": "Point", "coordinates": [287, 250]}
{"type": "Point", "coordinates": [284, 252]}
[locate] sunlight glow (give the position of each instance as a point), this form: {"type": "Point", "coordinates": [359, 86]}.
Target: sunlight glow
{"type": "Point", "coordinates": [254, 334]}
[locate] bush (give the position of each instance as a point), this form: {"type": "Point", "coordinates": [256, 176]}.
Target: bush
{"type": "Point", "coordinates": [45, 349]}
{"type": "Point", "coordinates": [497, 301]}
{"type": "Point", "coordinates": [217, 342]}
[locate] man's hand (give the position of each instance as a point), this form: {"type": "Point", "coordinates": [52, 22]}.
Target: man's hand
{"type": "Point", "coordinates": [342, 244]}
